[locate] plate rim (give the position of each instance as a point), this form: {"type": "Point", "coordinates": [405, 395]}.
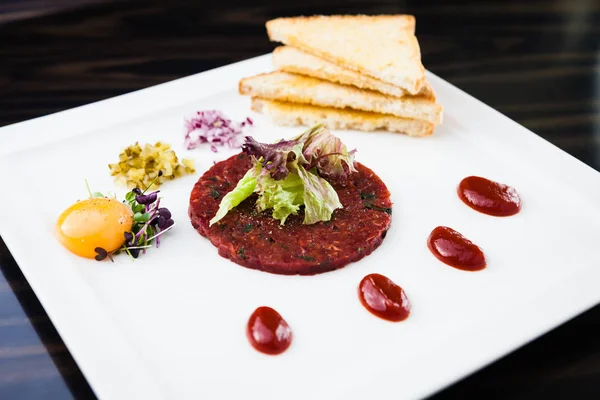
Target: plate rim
{"type": "Point", "coordinates": [115, 110]}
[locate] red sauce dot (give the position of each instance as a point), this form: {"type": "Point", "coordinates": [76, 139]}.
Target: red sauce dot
{"type": "Point", "coordinates": [489, 197]}
{"type": "Point", "coordinates": [454, 249]}
{"type": "Point", "coordinates": [383, 298]}
{"type": "Point", "coordinates": [268, 332]}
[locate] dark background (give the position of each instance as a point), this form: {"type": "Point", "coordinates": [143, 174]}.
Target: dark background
{"type": "Point", "coordinates": [538, 62]}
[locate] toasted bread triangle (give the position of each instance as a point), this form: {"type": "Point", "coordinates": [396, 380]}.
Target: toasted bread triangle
{"type": "Point", "coordinates": [291, 114]}
{"type": "Point", "coordinates": [383, 47]}
{"type": "Point", "coordinates": [291, 59]}
{"type": "Point", "coordinates": [293, 88]}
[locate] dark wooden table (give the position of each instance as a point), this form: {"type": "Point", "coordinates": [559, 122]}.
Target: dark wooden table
{"type": "Point", "coordinates": [536, 61]}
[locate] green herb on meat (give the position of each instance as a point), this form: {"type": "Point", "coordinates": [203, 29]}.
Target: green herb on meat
{"type": "Point", "coordinates": [292, 173]}
{"type": "Point", "coordinates": [248, 228]}
{"type": "Point", "coordinates": [215, 194]}
{"type": "Point", "coordinates": [241, 252]}
{"type": "Point", "coordinates": [377, 208]}
{"type": "Point", "coordinates": [368, 196]}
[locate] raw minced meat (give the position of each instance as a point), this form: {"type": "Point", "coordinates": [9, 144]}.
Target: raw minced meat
{"type": "Point", "coordinates": [256, 240]}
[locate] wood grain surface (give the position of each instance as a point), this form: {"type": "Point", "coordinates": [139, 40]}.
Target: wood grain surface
{"type": "Point", "coordinates": [538, 62]}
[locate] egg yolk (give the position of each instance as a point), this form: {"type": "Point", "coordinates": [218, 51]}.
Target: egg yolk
{"type": "Point", "coordinates": [91, 223]}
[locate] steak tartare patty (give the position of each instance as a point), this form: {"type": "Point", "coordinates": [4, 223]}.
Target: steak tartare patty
{"type": "Point", "coordinates": [256, 240]}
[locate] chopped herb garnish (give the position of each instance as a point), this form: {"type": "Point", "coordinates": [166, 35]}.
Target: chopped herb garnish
{"type": "Point", "coordinates": [377, 208]}
{"type": "Point", "coordinates": [248, 228]}
{"type": "Point", "coordinates": [306, 258]}
{"type": "Point", "coordinates": [215, 194]}
{"type": "Point", "coordinates": [360, 249]}
{"type": "Point", "coordinates": [241, 252]}
{"type": "Point", "coordinates": [367, 196]}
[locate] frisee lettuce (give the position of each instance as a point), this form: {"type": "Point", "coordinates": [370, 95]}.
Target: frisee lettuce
{"type": "Point", "coordinates": [290, 174]}
{"type": "Point", "coordinates": [276, 156]}
{"type": "Point", "coordinates": [326, 152]}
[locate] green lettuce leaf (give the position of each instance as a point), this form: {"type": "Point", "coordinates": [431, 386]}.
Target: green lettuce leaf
{"type": "Point", "coordinates": [284, 196]}
{"type": "Point", "coordinates": [320, 198]}
{"type": "Point", "coordinates": [290, 173]}
{"type": "Point", "coordinates": [244, 188]}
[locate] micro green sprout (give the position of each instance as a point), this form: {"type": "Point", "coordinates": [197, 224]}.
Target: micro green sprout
{"type": "Point", "coordinates": [150, 222]}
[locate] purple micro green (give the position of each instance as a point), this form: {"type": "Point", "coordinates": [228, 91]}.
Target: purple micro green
{"type": "Point", "coordinates": [142, 240]}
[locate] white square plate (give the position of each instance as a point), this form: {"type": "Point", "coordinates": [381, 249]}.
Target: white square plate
{"type": "Point", "coordinates": [171, 324]}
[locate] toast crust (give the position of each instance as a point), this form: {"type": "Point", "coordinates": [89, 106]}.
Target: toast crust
{"type": "Point", "coordinates": [290, 59]}
{"type": "Point", "coordinates": [293, 88]}
{"type": "Point", "coordinates": [293, 114]}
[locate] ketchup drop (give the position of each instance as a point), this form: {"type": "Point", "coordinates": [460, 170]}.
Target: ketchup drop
{"type": "Point", "coordinates": [268, 332]}
{"type": "Point", "coordinates": [454, 249]}
{"type": "Point", "coordinates": [383, 298]}
{"type": "Point", "coordinates": [489, 197]}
